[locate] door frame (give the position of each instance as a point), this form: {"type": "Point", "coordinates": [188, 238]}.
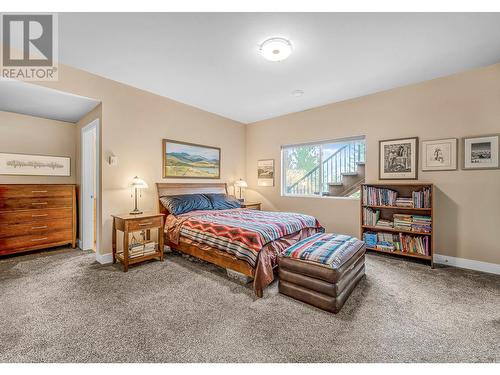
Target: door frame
{"type": "Point", "coordinates": [94, 125]}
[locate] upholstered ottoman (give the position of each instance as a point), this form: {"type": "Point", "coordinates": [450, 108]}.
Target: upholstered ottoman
{"type": "Point", "coordinates": [322, 270]}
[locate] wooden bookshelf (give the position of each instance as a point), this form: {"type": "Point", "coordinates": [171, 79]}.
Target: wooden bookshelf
{"type": "Point", "coordinates": [387, 212]}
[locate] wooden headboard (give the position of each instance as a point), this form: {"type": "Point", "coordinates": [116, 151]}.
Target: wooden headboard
{"type": "Point", "coordinates": [175, 188]}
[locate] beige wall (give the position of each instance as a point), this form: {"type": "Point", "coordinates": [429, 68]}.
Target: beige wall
{"type": "Point", "coordinates": [467, 202]}
{"type": "Point", "coordinates": [35, 135]}
{"type": "Point", "coordinates": [133, 124]}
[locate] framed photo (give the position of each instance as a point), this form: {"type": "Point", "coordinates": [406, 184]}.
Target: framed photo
{"type": "Point", "coordinates": [189, 160]}
{"type": "Point", "coordinates": [439, 155]}
{"type": "Point", "coordinates": [398, 159]}
{"type": "Point", "coordinates": [265, 172]}
{"type": "Point", "coordinates": [480, 152]}
{"type": "Point", "coordinates": [34, 165]}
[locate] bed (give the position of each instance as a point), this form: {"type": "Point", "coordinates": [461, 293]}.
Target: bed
{"type": "Point", "coordinates": [242, 240]}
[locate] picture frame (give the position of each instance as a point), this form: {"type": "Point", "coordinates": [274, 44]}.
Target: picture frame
{"type": "Point", "coordinates": [439, 155]}
{"type": "Point", "coordinates": [265, 172]}
{"type": "Point", "coordinates": [480, 152]}
{"type": "Point", "coordinates": [16, 164]}
{"type": "Point", "coordinates": [398, 159]}
{"type": "Point", "coordinates": [190, 160]}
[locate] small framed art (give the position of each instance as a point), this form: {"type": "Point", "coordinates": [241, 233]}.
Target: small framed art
{"type": "Point", "coordinates": [265, 172]}
{"type": "Point", "coordinates": [439, 155]}
{"type": "Point", "coordinates": [398, 159]}
{"type": "Point", "coordinates": [480, 152]}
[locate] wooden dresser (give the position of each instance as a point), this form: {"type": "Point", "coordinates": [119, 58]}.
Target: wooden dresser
{"type": "Point", "coordinates": [36, 217]}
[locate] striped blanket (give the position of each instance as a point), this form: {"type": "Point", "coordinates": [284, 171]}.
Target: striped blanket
{"type": "Point", "coordinates": [242, 232]}
{"type": "Point", "coordinates": [325, 248]}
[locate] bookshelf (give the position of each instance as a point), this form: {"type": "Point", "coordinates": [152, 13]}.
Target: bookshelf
{"type": "Point", "coordinates": [413, 234]}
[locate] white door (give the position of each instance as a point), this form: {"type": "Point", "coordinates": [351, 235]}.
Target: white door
{"type": "Point", "coordinates": [89, 186]}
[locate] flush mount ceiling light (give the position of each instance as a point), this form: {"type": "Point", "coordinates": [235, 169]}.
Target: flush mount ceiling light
{"type": "Point", "coordinates": [276, 49]}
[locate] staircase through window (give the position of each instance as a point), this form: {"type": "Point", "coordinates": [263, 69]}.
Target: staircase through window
{"type": "Point", "coordinates": [334, 168]}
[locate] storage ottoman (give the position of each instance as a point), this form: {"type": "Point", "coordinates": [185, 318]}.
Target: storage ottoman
{"type": "Point", "coordinates": [322, 270]}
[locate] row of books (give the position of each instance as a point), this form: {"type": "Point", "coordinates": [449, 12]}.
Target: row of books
{"type": "Point", "coordinates": [370, 217]}
{"type": "Point", "coordinates": [398, 242]}
{"type": "Point", "coordinates": [373, 196]}
{"type": "Point", "coordinates": [414, 223]}
{"type": "Point", "coordinates": [140, 249]}
{"type": "Point", "coordinates": [422, 199]}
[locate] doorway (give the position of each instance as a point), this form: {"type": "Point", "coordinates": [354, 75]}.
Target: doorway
{"type": "Point", "coordinates": [89, 185]}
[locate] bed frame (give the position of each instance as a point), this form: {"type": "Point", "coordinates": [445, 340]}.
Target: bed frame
{"type": "Point", "coordinates": [217, 257]}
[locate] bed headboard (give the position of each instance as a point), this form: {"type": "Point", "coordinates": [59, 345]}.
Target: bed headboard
{"type": "Point", "coordinates": [176, 188]}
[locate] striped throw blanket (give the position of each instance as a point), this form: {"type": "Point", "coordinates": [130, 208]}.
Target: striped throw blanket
{"type": "Point", "coordinates": [325, 248]}
{"type": "Point", "coordinates": [242, 232]}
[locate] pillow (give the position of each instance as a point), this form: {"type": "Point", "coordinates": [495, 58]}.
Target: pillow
{"type": "Point", "coordinates": [180, 204]}
{"type": "Point", "coordinates": [223, 201]}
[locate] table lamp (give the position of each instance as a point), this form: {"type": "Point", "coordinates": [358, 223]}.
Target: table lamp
{"type": "Point", "coordinates": [136, 184]}
{"type": "Point", "coordinates": [241, 184]}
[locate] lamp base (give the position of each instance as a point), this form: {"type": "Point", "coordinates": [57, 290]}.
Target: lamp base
{"type": "Point", "coordinates": [135, 212]}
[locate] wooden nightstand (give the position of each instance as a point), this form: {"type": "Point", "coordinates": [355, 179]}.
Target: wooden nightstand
{"type": "Point", "coordinates": [137, 223]}
{"type": "Point", "coordinates": [251, 205]}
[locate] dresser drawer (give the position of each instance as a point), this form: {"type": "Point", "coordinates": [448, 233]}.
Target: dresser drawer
{"type": "Point", "coordinates": [35, 191]}
{"type": "Point", "coordinates": [147, 223]}
{"type": "Point", "coordinates": [36, 227]}
{"type": "Point", "coordinates": [12, 204]}
{"type": "Point", "coordinates": [20, 217]}
{"type": "Point", "coordinates": [34, 241]}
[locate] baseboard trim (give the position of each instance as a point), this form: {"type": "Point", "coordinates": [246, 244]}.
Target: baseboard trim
{"type": "Point", "coordinates": [79, 244]}
{"type": "Point", "coordinates": [469, 264]}
{"type": "Point", "coordinates": [104, 258]}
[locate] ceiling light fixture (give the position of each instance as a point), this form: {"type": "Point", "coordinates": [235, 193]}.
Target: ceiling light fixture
{"type": "Point", "coordinates": [297, 93]}
{"type": "Point", "coordinates": [276, 49]}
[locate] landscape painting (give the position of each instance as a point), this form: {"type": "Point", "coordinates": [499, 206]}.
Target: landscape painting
{"type": "Point", "coordinates": [34, 165]}
{"type": "Point", "coordinates": [188, 160]}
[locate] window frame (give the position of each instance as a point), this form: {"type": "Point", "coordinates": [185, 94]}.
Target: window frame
{"type": "Point", "coordinates": [283, 192]}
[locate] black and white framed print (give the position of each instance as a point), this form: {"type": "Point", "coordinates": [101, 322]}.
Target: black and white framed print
{"type": "Point", "coordinates": [439, 155]}
{"type": "Point", "coordinates": [398, 159]}
{"type": "Point", "coordinates": [481, 152]}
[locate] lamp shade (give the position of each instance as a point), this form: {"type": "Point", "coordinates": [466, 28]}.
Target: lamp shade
{"type": "Point", "coordinates": [241, 183]}
{"type": "Point", "coordinates": [138, 183]}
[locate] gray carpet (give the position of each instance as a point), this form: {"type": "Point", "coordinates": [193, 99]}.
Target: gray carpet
{"type": "Point", "coordinates": [61, 306]}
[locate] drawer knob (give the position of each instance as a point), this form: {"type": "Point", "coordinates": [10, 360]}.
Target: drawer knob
{"type": "Point", "coordinates": [39, 191]}
{"type": "Point", "coordinates": [39, 203]}
{"type": "Point", "coordinates": [40, 215]}
{"type": "Point", "coordinates": [143, 224]}
{"type": "Point", "coordinates": [38, 239]}
{"type": "Point", "coordinates": [42, 227]}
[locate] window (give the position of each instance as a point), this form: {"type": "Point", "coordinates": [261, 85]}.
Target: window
{"type": "Point", "coordinates": [335, 168]}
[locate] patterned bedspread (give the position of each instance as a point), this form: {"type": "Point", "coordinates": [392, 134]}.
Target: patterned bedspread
{"type": "Point", "coordinates": [325, 248]}
{"type": "Point", "coordinates": [242, 232]}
